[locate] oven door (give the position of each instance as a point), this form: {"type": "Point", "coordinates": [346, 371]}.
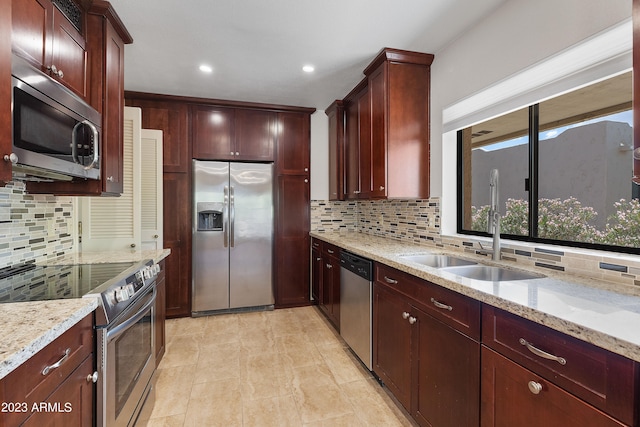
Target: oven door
{"type": "Point", "coordinates": [129, 363]}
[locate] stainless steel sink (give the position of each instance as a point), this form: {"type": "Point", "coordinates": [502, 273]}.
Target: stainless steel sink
{"type": "Point", "coordinates": [436, 260]}
{"type": "Point", "coordinates": [492, 274]}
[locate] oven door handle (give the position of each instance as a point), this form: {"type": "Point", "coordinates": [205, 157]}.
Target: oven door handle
{"type": "Point", "coordinates": [122, 328]}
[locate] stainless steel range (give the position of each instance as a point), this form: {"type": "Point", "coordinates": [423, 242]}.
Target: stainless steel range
{"type": "Point", "coordinates": [125, 326]}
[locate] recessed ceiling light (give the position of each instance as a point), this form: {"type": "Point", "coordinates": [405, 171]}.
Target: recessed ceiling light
{"type": "Point", "coordinates": [206, 69]}
{"type": "Point", "coordinates": [308, 68]}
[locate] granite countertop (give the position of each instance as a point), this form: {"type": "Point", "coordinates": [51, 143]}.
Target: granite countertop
{"type": "Point", "coordinates": [27, 327]}
{"type": "Point", "coordinates": [576, 306]}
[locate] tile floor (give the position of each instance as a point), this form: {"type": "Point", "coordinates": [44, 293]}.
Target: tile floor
{"type": "Point", "coordinates": [274, 368]}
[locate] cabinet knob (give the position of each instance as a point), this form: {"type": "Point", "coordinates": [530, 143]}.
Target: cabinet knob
{"type": "Point", "coordinates": [92, 378]}
{"type": "Point", "coordinates": [535, 387]}
{"type": "Point", "coordinates": [133, 245]}
{"type": "Point", "coordinates": [13, 158]}
{"type": "Point", "coordinates": [155, 236]}
{"type": "Point", "coordinates": [412, 320]}
{"type": "Point", "coordinates": [405, 315]}
{"type": "Point", "coordinates": [306, 169]}
{"type": "Point", "coordinates": [329, 265]}
{"type": "Point", "coordinates": [237, 153]}
{"type": "Point", "coordinates": [110, 178]}
{"type": "Point", "coordinates": [55, 71]}
{"type": "Point", "coordinates": [381, 188]}
{"type": "Point", "coordinates": [232, 153]}
{"type": "Point", "coordinates": [306, 180]}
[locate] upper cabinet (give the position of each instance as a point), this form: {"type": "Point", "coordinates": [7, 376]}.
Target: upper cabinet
{"type": "Point", "coordinates": [387, 129]}
{"type": "Point", "coordinates": [335, 114]}
{"type": "Point", "coordinates": [51, 35]}
{"type": "Point", "coordinates": [222, 133]}
{"type": "Point", "coordinates": [103, 69]}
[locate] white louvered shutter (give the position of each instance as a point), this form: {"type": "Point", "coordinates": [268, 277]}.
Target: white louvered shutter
{"type": "Point", "coordinates": [151, 204]}
{"type": "Point", "coordinates": [113, 223]}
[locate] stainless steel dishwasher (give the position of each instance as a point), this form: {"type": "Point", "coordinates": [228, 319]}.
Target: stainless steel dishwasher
{"type": "Point", "coordinates": [356, 305]}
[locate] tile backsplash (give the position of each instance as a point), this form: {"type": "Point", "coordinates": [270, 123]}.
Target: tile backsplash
{"type": "Point", "coordinates": [418, 222]}
{"type": "Point", "coordinates": [33, 227]}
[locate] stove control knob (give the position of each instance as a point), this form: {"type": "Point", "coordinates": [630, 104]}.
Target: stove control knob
{"type": "Point", "coordinates": [121, 294]}
{"type": "Point", "coordinates": [131, 290]}
{"type": "Point", "coordinates": [139, 275]}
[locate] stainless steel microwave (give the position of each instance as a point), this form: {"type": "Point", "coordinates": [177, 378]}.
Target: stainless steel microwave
{"type": "Point", "coordinates": [56, 135]}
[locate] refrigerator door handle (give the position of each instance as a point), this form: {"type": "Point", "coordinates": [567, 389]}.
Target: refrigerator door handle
{"type": "Point", "coordinates": [225, 215]}
{"type": "Point", "coordinates": [232, 216]}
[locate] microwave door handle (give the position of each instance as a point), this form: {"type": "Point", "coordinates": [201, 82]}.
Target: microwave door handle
{"type": "Point", "coordinates": [74, 143]}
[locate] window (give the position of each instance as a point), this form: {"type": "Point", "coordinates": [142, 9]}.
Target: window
{"type": "Point", "coordinates": [565, 168]}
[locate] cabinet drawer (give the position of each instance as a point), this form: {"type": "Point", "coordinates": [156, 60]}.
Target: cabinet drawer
{"type": "Point", "coordinates": [330, 250]}
{"type": "Point", "coordinates": [456, 310]}
{"type": "Point", "coordinates": [604, 379]}
{"type": "Point", "coordinates": [316, 244]}
{"type": "Point", "coordinates": [27, 382]}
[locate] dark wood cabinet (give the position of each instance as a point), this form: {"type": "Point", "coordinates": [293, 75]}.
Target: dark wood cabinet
{"type": "Point", "coordinates": [221, 133]}
{"type": "Point", "coordinates": [293, 217]}
{"type": "Point", "coordinates": [387, 128]}
{"type": "Point", "coordinates": [160, 312]}
{"type": "Point", "coordinates": [335, 114]}
{"type": "Point", "coordinates": [392, 342]}
{"type": "Point", "coordinates": [330, 289]}
{"type": "Point", "coordinates": [316, 271]}
{"type": "Point", "coordinates": [604, 380]}
{"type": "Point", "coordinates": [5, 88]}
{"type": "Point", "coordinates": [357, 141]}
{"type": "Point", "coordinates": [432, 368]}
{"type": "Point", "coordinates": [514, 396]}
{"type": "Point", "coordinates": [44, 36]}
{"type": "Point", "coordinates": [65, 384]}
{"type": "Point", "coordinates": [105, 58]}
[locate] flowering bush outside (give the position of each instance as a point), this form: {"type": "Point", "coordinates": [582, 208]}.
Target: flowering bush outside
{"type": "Point", "coordinates": [567, 220]}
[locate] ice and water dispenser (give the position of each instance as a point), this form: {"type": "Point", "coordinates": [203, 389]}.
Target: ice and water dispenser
{"type": "Point", "coordinates": [210, 216]}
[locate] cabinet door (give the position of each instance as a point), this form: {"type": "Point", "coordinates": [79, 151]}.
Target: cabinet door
{"type": "Point", "coordinates": [213, 133]}
{"type": "Point", "coordinates": [446, 390]}
{"type": "Point", "coordinates": [292, 241]}
{"type": "Point", "coordinates": [316, 275]}
{"type": "Point", "coordinates": [73, 401]}
{"type": "Point", "coordinates": [255, 135]}
{"type": "Point", "coordinates": [377, 153]}
{"type": "Point", "coordinates": [5, 88]}
{"type": "Point", "coordinates": [69, 55]}
{"type": "Point", "coordinates": [331, 289]}
{"type": "Point", "coordinates": [293, 143]}
{"type": "Point", "coordinates": [514, 396]}
{"type": "Point", "coordinates": [151, 200]}
{"type": "Point", "coordinates": [30, 22]}
{"type": "Point", "coordinates": [335, 114]}
{"type": "Point", "coordinates": [392, 342]}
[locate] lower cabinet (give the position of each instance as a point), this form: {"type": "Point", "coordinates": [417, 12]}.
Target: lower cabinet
{"type": "Point", "coordinates": [514, 396]}
{"type": "Point", "coordinates": [326, 279]}
{"type": "Point", "coordinates": [55, 386]}
{"type": "Point", "coordinates": [432, 368]}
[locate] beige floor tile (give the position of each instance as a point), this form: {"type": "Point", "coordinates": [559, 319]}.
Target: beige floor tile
{"type": "Point", "coordinates": [217, 403]}
{"type": "Point", "coordinates": [173, 390]}
{"type": "Point", "coordinates": [272, 368]}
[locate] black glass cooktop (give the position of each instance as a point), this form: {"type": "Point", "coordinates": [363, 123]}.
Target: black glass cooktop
{"type": "Point", "coordinates": [30, 282]}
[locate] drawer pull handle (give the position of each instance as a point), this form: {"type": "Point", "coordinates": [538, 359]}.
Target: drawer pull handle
{"type": "Point", "coordinates": [543, 354]}
{"type": "Point", "coordinates": [441, 305]}
{"type": "Point", "coordinates": [388, 280]}
{"type": "Point", "coordinates": [330, 251]}
{"type": "Point", "coordinates": [405, 315]}
{"type": "Point", "coordinates": [56, 365]}
{"type": "Point", "coordinates": [535, 387]}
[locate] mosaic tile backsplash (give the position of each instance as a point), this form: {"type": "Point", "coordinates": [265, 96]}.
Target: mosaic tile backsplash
{"type": "Point", "coordinates": [418, 222]}
{"type": "Point", "coordinates": [33, 227]}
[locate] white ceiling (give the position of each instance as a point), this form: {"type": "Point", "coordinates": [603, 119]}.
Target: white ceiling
{"type": "Point", "coordinates": [257, 47]}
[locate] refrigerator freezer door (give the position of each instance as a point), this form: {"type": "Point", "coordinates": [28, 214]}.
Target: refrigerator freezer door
{"type": "Point", "coordinates": [210, 256]}
{"type": "Point", "coordinates": [251, 234]}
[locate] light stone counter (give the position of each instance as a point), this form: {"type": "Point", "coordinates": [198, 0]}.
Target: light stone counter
{"type": "Point", "coordinates": [27, 327]}
{"type": "Point", "coordinates": [105, 257]}
{"type": "Point", "coordinates": [578, 307]}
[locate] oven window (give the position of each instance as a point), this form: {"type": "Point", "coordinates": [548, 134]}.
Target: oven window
{"type": "Point", "coordinates": [133, 350]}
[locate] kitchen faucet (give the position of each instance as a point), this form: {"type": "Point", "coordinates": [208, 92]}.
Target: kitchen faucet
{"type": "Point", "coordinates": [493, 219]}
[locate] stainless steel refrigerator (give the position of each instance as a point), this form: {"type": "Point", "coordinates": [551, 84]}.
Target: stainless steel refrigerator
{"type": "Point", "coordinates": [232, 236]}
